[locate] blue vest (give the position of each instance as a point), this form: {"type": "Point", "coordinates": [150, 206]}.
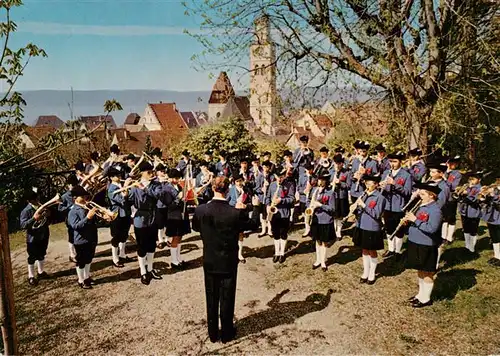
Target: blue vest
{"type": "Point", "coordinates": [399, 193]}
{"type": "Point", "coordinates": [324, 213]}
{"type": "Point", "coordinates": [223, 169]}
{"type": "Point", "coordinates": [287, 194]}
{"type": "Point", "coordinates": [370, 217]}
{"type": "Point", "coordinates": [175, 206]}
{"type": "Point", "coordinates": [371, 168]}
{"type": "Point", "coordinates": [418, 171]}
{"type": "Point", "coordinates": [469, 205]}
{"type": "Point", "coordinates": [84, 230]}
{"type": "Point", "coordinates": [118, 202]}
{"type": "Point", "coordinates": [299, 160]}
{"type": "Point", "coordinates": [426, 230]}
{"type": "Point", "coordinates": [207, 193]}
{"type": "Point", "coordinates": [341, 188]}
{"type": "Point", "coordinates": [444, 195]}
{"type": "Point", "coordinates": [259, 185]}
{"type": "Point", "coordinates": [66, 204]}
{"type": "Point", "coordinates": [384, 165]}
{"type": "Point", "coordinates": [144, 201]}
{"type": "Point", "coordinates": [491, 209]}
{"type": "Point", "coordinates": [235, 194]}
{"type": "Point", "coordinates": [27, 221]}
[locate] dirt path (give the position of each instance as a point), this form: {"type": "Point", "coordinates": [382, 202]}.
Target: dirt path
{"type": "Point", "coordinates": [121, 316]}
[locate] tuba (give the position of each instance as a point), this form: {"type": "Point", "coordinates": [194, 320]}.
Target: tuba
{"type": "Point", "coordinates": [42, 210]}
{"type": "Point", "coordinates": [272, 209]}
{"type": "Point", "coordinates": [310, 209]}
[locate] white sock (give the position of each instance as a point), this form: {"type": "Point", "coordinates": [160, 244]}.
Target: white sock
{"type": "Point", "coordinates": [426, 291]}
{"type": "Point", "coordinates": [373, 268]}
{"type": "Point", "coordinates": [276, 247]}
{"type": "Point", "coordinates": [142, 265]}
{"type": "Point", "coordinates": [451, 231]}
{"type": "Point", "coordinates": [179, 258]}
{"type": "Point", "coordinates": [240, 250]}
{"type": "Point", "coordinates": [366, 266]}
{"type": "Point", "coordinates": [291, 214]}
{"type": "Point", "coordinates": [444, 231]}
{"type": "Point", "coordinates": [473, 240]}
{"type": "Point", "coordinates": [31, 271]}
{"type": "Point", "coordinates": [420, 288]}
{"type": "Point", "coordinates": [72, 250]}
{"type": "Point", "coordinates": [81, 274]}
{"type": "Point", "coordinates": [263, 224]}
{"type": "Point", "coordinates": [307, 229]}
{"type": "Point", "coordinates": [114, 253]}
{"type": "Point", "coordinates": [467, 241]}
{"type": "Point", "coordinates": [318, 254]}
{"type": "Point", "coordinates": [86, 271]}
{"type": "Point", "coordinates": [149, 260]}
{"type": "Point", "coordinates": [40, 266]}
{"type": "Point", "coordinates": [270, 231]}
{"type": "Point", "coordinates": [496, 250]}
{"type": "Point", "coordinates": [121, 248]}
{"type": "Point", "coordinates": [398, 243]}
{"type": "Point", "coordinates": [390, 245]}
{"type": "Point", "coordinates": [322, 253]}
{"type": "Point", "coordinates": [160, 236]}
{"type": "Point", "coordinates": [338, 227]}
{"type": "Point", "coordinates": [440, 252]}
{"type": "Point", "coordinates": [173, 255]}
{"type": "Point", "coordinates": [282, 247]}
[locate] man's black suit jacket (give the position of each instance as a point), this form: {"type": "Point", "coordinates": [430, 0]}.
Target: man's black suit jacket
{"type": "Point", "coordinates": [220, 225]}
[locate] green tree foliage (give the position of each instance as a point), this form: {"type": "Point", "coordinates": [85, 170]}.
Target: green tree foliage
{"type": "Point", "coordinates": [274, 146]}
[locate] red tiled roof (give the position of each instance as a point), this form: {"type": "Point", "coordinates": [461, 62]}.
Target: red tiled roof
{"type": "Point", "coordinates": [314, 142]}
{"type": "Point", "coordinates": [38, 132]}
{"type": "Point", "coordinates": [168, 116]}
{"type": "Point", "coordinates": [132, 119]}
{"type": "Point", "coordinates": [189, 119]}
{"type": "Point", "coordinates": [49, 120]}
{"type": "Point", "coordinates": [93, 121]}
{"type": "Point", "coordinates": [222, 90]}
{"type": "Point", "coordinates": [322, 120]}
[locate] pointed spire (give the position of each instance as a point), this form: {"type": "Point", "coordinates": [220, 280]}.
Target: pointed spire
{"type": "Point", "coordinates": [222, 90]}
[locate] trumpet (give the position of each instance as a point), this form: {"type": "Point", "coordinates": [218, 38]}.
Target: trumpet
{"type": "Point", "coordinates": [272, 209]}
{"type": "Point", "coordinates": [134, 183]}
{"type": "Point", "coordinates": [205, 183]}
{"type": "Point", "coordinates": [101, 212]}
{"type": "Point", "coordinates": [460, 190]}
{"type": "Point", "coordinates": [486, 190]}
{"type": "Point", "coordinates": [42, 211]}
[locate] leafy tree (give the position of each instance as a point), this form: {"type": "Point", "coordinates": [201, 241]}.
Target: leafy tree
{"type": "Point", "coordinates": [411, 49]}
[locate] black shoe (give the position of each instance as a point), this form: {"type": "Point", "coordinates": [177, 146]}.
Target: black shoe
{"type": "Point", "coordinates": [363, 280]}
{"type": "Point", "coordinates": [89, 282]}
{"type": "Point", "coordinates": [127, 259]}
{"type": "Point", "coordinates": [276, 258]}
{"type": "Point", "coordinates": [154, 275]}
{"type": "Point", "coordinates": [214, 339]}
{"type": "Point", "coordinates": [85, 286]}
{"type": "Point", "coordinates": [145, 279]}
{"type": "Point", "coordinates": [43, 275]}
{"type": "Point", "coordinates": [33, 281]}
{"type": "Point", "coordinates": [243, 261]}
{"type": "Point", "coordinates": [72, 259]}
{"type": "Point", "coordinates": [324, 269]}
{"type": "Point", "coordinates": [261, 235]}
{"type": "Point", "coordinates": [177, 267]}
{"type": "Point", "coordinates": [388, 254]}
{"type": "Point", "coordinates": [118, 265]}
{"type": "Point", "coordinates": [370, 282]}
{"type": "Point", "coordinates": [419, 304]}
{"type": "Point", "coordinates": [493, 261]}
{"type": "Point", "coordinates": [229, 336]}
{"type": "Point", "coordinates": [412, 299]}
{"type": "Point", "coordinates": [316, 266]}
{"type": "Point", "coordinates": [282, 259]}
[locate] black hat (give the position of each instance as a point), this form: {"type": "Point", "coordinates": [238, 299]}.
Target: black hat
{"type": "Point", "coordinates": [371, 177]}
{"type": "Point", "coordinates": [282, 173]}
{"type": "Point", "coordinates": [223, 153]}
{"type": "Point", "coordinates": [325, 176]}
{"type": "Point", "coordinates": [239, 177]}
{"type": "Point", "coordinates": [145, 166]}
{"type": "Point", "coordinates": [114, 149]}
{"type": "Point", "coordinates": [338, 158]}
{"type": "Point", "coordinates": [72, 179]}
{"type": "Point", "coordinates": [156, 152]}
{"type": "Point", "coordinates": [31, 194]}
{"type": "Point", "coordinates": [267, 164]}
{"type": "Point", "coordinates": [79, 166]}
{"type": "Point", "coordinates": [174, 173]}
{"type": "Point", "coordinates": [381, 147]}
{"type": "Point", "coordinates": [131, 156]}
{"type": "Point", "coordinates": [475, 174]}
{"type": "Point", "coordinates": [356, 144]}
{"type": "Point", "coordinates": [245, 159]}
{"type": "Point", "coordinates": [324, 149]}
{"type": "Point", "coordinates": [79, 191]}
{"type": "Point", "coordinates": [397, 155]}
{"type": "Point", "coordinates": [454, 159]}
{"type": "Point", "coordinates": [94, 155]}
{"type": "Point", "coordinates": [364, 145]}
{"type": "Point", "coordinates": [202, 163]}
{"type": "Point", "coordinates": [431, 187]}
{"type": "Point", "coordinates": [436, 165]}
{"type": "Point", "coordinates": [209, 152]}
{"type": "Point", "coordinates": [113, 172]}
{"type": "Point", "coordinates": [308, 165]}
{"type": "Point", "coordinates": [304, 138]}
{"type": "Point", "coordinates": [186, 153]}
{"type": "Point", "coordinates": [415, 152]}
{"type": "Point", "coordinates": [340, 149]}
{"type": "Point", "coordinates": [255, 158]}
{"type": "Point", "coordinates": [266, 153]}
{"type": "Point", "coordinates": [160, 167]}
{"type": "Point", "coordinates": [287, 153]}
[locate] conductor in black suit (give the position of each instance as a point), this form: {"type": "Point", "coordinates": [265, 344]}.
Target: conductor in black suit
{"type": "Point", "coordinates": [219, 225]}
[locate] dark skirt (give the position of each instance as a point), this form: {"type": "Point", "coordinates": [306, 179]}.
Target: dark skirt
{"type": "Point", "coordinates": [494, 233]}
{"type": "Point", "coordinates": [422, 257]}
{"type": "Point", "coordinates": [450, 212]}
{"type": "Point", "coordinates": [177, 228]}
{"type": "Point", "coordinates": [323, 232]}
{"type": "Point", "coordinates": [368, 240]}
{"type": "Point", "coordinates": [119, 229]}
{"type": "Point", "coordinates": [470, 225]}
{"type": "Point", "coordinates": [161, 218]}
{"type": "Point", "coordinates": [341, 208]}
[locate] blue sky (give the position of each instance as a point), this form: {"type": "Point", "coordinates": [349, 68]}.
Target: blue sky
{"type": "Point", "coordinates": [109, 44]}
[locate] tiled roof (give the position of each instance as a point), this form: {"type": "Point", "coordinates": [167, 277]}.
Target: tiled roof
{"type": "Point", "coordinates": [92, 122]}
{"type": "Point", "coordinates": [373, 117]}
{"type": "Point", "coordinates": [132, 119]}
{"type": "Point", "coordinates": [189, 119]}
{"type": "Point", "coordinates": [222, 90]}
{"type": "Point", "coordinates": [238, 106]}
{"type": "Point", "coordinates": [49, 120]}
{"type": "Point", "coordinates": [168, 116]}
{"type": "Point", "coordinates": [314, 142]}
{"type": "Point", "coordinates": [38, 132]}
{"type": "Point", "coordinates": [322, 120]}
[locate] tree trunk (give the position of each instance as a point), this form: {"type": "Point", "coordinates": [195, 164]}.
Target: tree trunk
{"type": "Point", "coordinates": [417, 118]}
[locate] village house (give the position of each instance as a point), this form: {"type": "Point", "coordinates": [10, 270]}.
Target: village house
{"type": "Point", "coordinates": [49, 121]}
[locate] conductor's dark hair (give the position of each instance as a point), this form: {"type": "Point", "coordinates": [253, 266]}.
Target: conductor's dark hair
{"type": "Point", "coordinates": [221, 184]}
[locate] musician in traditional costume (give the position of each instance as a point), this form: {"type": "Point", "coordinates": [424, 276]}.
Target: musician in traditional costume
{"type": "Point", "coordinates": [302, 156]}
{"type": "Point", "coordinates": [322, 203]}
{"type": "Point", "coordinates": [362, 164]}
{"type": "Point", "coordinates": [83, 222]}
{"type": "Point", "coordinates": [94, 158]}
{"type": "Point", "coordinates": [37, 237]}
{"type": "Point", "coordinates": [453, 178]}
{"type": "Point", "coordinates": [323, 162]}
{"type": "Point", "coordinates": [368, 234]}
{"type": "Point", "coordinates": [131, 160]}
{"type": "Point", "coordinates": [280, 197]}
{"type": "Point", "coordinates": [144, 197]}
{"type": "Point", "coordinates": [177, 217]}
{"type": "Point", "coordinates": [397, 185]}
{"type": "Point", "coordinates": [255, 170]}
{"type": "Point", "coordinates": [470, 210]}
{"type": "Point", "coordinates": [339, 182]}
{"type": "Point", "coordinates": [288, 164]}
{"type": "Point", "coordinates": [490, 197]}
{"type": "Point", "coordinates": [382, 159]}
{"type": "Point", "coordinates": [208, 156]}
{"type": "Point", "coordinates": [238, 193]}
{"type": "Point", "coordinates": [424, 238]}
{"type": "Point", "coordinates": [203, 183]}
{"type": "Point", "coordinates": [417, 167]}
{"type": "Point", "coordinates": [222, 168]}
{"type": "Point", "coordinates": [305, 185]}
{"type": "Point", "coordinates": [120, 226]}
{"type": "Point", "coordinates": [80, 171]}
{"type": "Point", "coordinates": [262, 182]}
{"type": "Point", "coordinates": [63, 208]}
{"type": "Point", "coordinates": [266, 156]}
{"type": "Point", "coordinates": [183, 163]}
{"type": "Point", "coordinates": [341, 150]}
{"type": "Point", "coordinates": [161, 207]}
{"type": "Point", "coordinates": [244, 171]}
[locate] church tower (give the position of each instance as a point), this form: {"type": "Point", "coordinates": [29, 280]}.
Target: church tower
{"type": "Point", "coordinates": [263, 77]}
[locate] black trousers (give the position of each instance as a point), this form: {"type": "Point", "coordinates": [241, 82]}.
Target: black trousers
{"type": "Point", "coordinates": [220, 291]}
{"type": "Point", "coordinates": [37, 250]}
{"type": "Point", "coordinates": [119, 230]}
{"type": "Point", "coordinates": [146, 239]}
{"type": "Point", "coordinates": [85, 254]}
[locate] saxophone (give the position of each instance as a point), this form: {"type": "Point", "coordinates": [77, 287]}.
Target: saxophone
{"type": "Point", "coordinates": [272, 209]}
{"type": "Point", "coordinates": [312, 206]}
